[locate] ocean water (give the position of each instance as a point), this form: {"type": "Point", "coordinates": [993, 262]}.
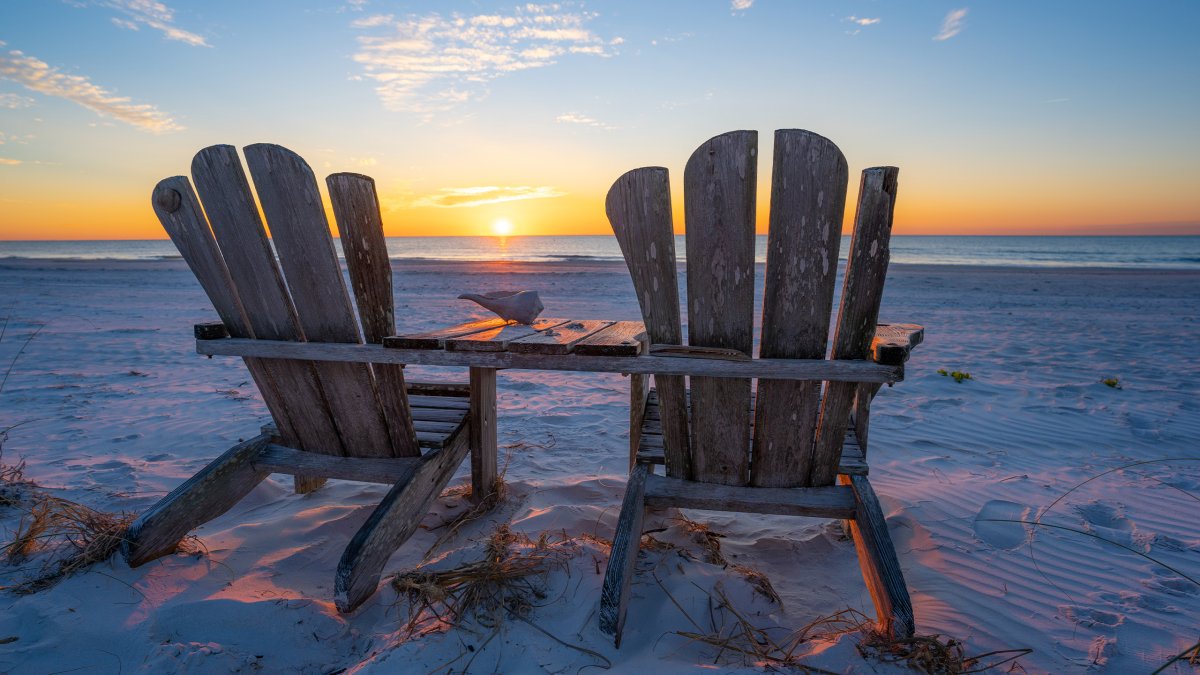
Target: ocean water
{"type": "Point", "coordinates": [1176, 252]}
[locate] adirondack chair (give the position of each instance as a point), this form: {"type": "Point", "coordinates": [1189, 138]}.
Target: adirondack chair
{"type": "Point", "coordinates": [354, 421]}
{"type": "Point", "coordinates": [779, 449]}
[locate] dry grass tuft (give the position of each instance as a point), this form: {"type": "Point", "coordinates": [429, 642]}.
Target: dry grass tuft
{"type": "Point", "coordinates": [934, 654]}
{"type": "Point", "coordinates": [13, 484]}
{"type": "Point", "coordinates": [68, 537]}
{"type": "Point", "coordinates": [57, 537]}
{"type": "Point", "coordinates": [760, 582]}
{"type": "Point", "coordinates": [709, 541]}
{"type": "Point", "coordinates": [506, 582]}
{"type": "Point", "coordinates": [734, 636]}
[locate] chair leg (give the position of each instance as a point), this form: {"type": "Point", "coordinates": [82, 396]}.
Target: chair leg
{"type": "Point", "coordinates": [204, 496]}
{"type": "Point", "coordinates": [614, 599]}
{"type": "Point", "coordinates": [483, 434]}
{"type": "Point", "coordinates": [639, 391]}
{"type": "Point", "coordinates": [392, 523]}
{"type": "Point", "coordinates": [877, 557]}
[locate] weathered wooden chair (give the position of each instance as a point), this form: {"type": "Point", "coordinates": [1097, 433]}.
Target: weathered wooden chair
{"type": "Point", "coordinates": [354, 421]}
{"type": "Point", "coordinates": [779, 450]}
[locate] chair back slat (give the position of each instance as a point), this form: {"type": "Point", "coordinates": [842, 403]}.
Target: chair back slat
{"type": "Point", "coordinates": [808, 200]}
{"type": "Point", "coordinates": [720, 183]}
{"type": "Point", "coordinates": [233, 216]}
{"type": "Point", "coordinates": [862, 291]}
{"type": "Point", "coordinates": [639, 208]}
{"type": "Point", "coordinates": [291, 202]}
{"type": "Point", "coordinates": [356, 208]}
{"type": "Point", "coordinates": [178, 210]}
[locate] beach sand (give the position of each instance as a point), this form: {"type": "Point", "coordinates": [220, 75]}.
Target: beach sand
{"type": "Point", "coordinates": [115, 409]}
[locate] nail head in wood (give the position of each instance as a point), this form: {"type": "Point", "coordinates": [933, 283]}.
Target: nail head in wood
{"type": "Point", "coordinates": [168, 199]}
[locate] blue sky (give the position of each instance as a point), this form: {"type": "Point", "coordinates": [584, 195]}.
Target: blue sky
{"type": "Point", "coordinates": [1021, 117]}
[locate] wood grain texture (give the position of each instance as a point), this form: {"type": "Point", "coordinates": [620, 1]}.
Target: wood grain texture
{"type": "Point", "coordinates": [623, 338]}
{"type": "Point", "coordinates": [291, 202]}
{"type": "Point", "coordinates": [638, 206]}
{"type": "Point", "coordinates": [482, 430]}
{"type": "Point", "coordinates": [893, 342]}
{"type": "Point", "coordinates": [720, 182]}
{"type": "Point", "coordinates": [178, 209]}
{"type": "Point", "coordinates": [808, 200]}
{"type": "Point", "coordinates": [498, 339]}
{"type": "Point", "coordinates": [862, 290]}
{"type": "Point", "coordinates": [860, 418]}
{"type": "Point", "coordinates": [560, 339]}
{"type": "Point", "coordinates": [392, 523]}
{"type": "Point", "coordinates": [356, 209]}
{"type": "Point", "coordinates": [639, 395]}
{"type": "Point", "coordinates": [385, 470]}
{"type": "Point", "coordinates": [618, 576]}
{"type": "Point", "coordinates": [204, 496]}
{"type": "Point", "coordinates": [233, 215]}
{"type": "Point", "coordinates": [877, 557]}
{"type": "Point", "coordinates": [782, 369]}
{"type": "Point", "coordinates": [436, 339]}
{"type": "Point", "coordinates": [824, 502]}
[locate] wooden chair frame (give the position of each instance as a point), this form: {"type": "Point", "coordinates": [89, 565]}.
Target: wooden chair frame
{"type": "Point", "coordinates": [806, 437]}
{"type": "Point", "coordinates": [350, 419]}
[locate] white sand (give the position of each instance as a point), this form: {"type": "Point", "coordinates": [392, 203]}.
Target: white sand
{"type": "Point", "coordinates": [121, 410]}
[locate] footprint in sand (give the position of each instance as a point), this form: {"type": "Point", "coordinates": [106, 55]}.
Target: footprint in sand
{"type": "Point", "coordinates": [993, 524]}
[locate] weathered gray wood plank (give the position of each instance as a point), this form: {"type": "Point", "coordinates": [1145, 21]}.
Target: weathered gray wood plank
{"type": "Point", "coordinates": [360, 225]}
{"type": "Point", "coordinates": [894, 341]}
{"type": "Point", "coordinates": [385, 470]}
{"type": "Point", "coordinates": [877, 557]}
{"type": "Point", "coordinates": [719, 185]}
{"type": "Point", "coordinates": [808, 200]}
{"type": "Point", "coordinates": [482, 430]}
{"type": "Point", "coordinates": [860, 419]}
{"type": "Point", "coordinates": [455, 389]}
{"type": "Point", "coordinates": [862, 290]}
{"type": "Point", "coordinates": [291, 202]}
{"type": "Point", "coordinates": [392, 523]}
{"type": "Point", "coordinates": [639, 392]}
{"type": "Point", "coordinates": [178, 209]}
{"type": "Point", "coordinates": [623, 338]}
{"type": "Point", "coordinates": [638, 206]}
{"type": "Point", "coordinates": [559, 339]}
{"type": "Point", "coordinates": [233, 214]}
{"type": "Point", "coordinates": [832, 501]}
{"type": "Point", "coordinates": [436, 339]}
{"type": "Point", "coordinates": [614, 597]}
{"type": "Point", "coordinates": [499, 338]}
{"type": "Point", "coordinates": [780, 369]}
{"type": "Point", "coordinates": [422, 401]}
{"type": "Point", "coordinates": [204, 496]}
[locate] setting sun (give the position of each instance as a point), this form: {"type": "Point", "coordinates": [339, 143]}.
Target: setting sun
{"type": "Point", "coordinates": [502, 227]}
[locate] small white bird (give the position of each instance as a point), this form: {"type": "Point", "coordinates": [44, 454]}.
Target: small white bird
{"type": "Point", "coordinates": [520, 306]}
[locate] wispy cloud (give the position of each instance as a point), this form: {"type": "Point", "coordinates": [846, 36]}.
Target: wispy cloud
{"type": "Point", "coordinates": [12, 138]}
{"type": "Point", "coordinates": [432, 63]}
{"type": "Point", "coordinates": [862, 21]}
{"type": "Point", "coordinates": [152, 14]}
{"type": "Point", "coordinates": [578, 118]}
{"type": "Point", "coordinates": [14, 101]}
{"type": "Point", "coordinates": [740, 5]}
{"type": "Point", "coordinates": [43, 78]}
{"type": "Point", "coordinates": [952, 25]}
{"type": "Point", "coordinates": [478, 196]}
{"type": "Point", "coordinates": [4, 161]}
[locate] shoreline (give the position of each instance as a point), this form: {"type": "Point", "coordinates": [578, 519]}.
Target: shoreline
{"type": "Point", "coordinates": [493, 266]}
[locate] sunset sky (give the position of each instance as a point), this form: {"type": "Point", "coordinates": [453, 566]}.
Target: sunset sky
{"type": "Point", "coordinates": [1004, 117]}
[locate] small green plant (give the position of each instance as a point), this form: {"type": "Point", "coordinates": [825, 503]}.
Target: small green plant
{"type": "Point", "coordinates": [958, 375]}
{"type": "Point", "coordinates": [1112, 382]}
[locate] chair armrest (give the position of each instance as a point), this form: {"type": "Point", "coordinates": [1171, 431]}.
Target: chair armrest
{"type": "Point", "coordinates": [894, 341]}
